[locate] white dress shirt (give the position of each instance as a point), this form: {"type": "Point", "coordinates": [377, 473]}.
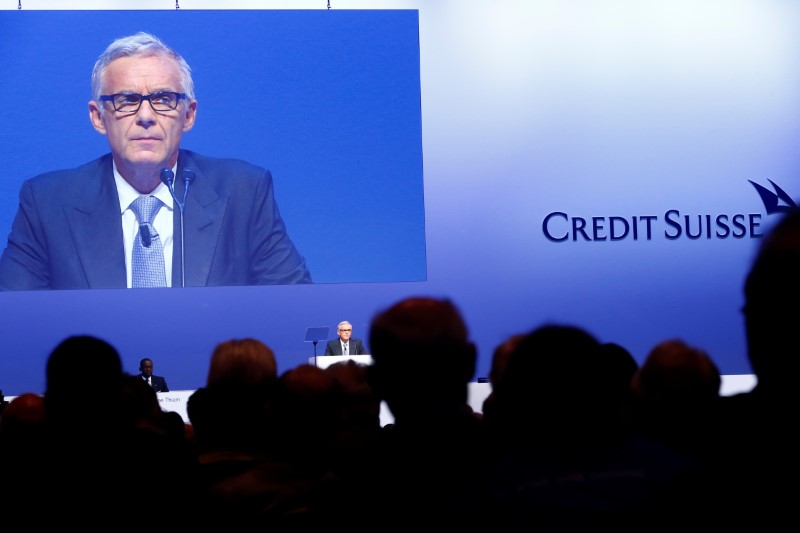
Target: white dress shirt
{"type": "Point", "coordinates": [162, 223]}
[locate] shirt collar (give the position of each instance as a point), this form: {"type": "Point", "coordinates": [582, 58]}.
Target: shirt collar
{"type": "Point", "coordinates": [127, 194]}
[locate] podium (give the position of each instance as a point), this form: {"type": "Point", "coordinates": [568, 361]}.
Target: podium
{"type": "Point", "coordinates": [324, 361]}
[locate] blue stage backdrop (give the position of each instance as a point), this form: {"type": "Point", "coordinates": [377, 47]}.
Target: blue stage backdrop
{"type": "Point", "coordinates": [612, 169]}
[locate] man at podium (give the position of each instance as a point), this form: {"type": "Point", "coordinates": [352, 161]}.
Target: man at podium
{"type": "Point", "coordinates": [345, 344]}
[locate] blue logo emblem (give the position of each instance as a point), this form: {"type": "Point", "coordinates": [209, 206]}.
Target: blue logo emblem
{"type": "Point", "coordinates": [774, 202]}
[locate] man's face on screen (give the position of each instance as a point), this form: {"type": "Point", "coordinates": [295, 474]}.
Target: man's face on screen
{"type": "Point", "coordinates": [145, 140]}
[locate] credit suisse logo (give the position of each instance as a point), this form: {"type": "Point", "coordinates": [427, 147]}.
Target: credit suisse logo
{"type": "Point", "coordinates": [671, 225]}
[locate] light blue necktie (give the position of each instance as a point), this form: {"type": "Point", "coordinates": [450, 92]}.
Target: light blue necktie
{"type": "Point", "coordinates": [345, 349]}
{"type": "Point", "coordinates": [147, 262]}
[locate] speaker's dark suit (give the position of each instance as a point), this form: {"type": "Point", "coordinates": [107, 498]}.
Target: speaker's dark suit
{"type": "Point", "coordinates": [158, 383]}
{"type": "Point", "coordinates": [356, 347]}
{"type": "Point", "coordinates": [67, 233]}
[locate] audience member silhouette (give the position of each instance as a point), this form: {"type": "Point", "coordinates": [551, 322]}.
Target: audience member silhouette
{"type": "Point", "coordinates": [242, 362]}
{"type": "Point", "coordinates": [305, 413]}
{"type": "Point", "coordinates": [284, 483]}
{"type": "Point", "coordinates": [296, 485]}
{"type": "Point", "coordinates": [564, 460]}
{"type": "Point", "coordinates": [560, 447]}
{"type": "Point", "coordinates": [22, 453]}
{"type": "Point", "coordinates": [359, 410]}
{"type": "Point", "coordinates": [499, 363]}
{"type": "Point", "coordinates": [228, 414]}
{"type": "Point", "coordinates": [229, 417]}
{"type": "Point", "coordinates": [618, 370]}
{"type": "Point", "coordinates": [676, 393]}
{"type": "Point", "coordinates": [23, 416]}
{"type": "Point", "coordinates": [80, 369]}
{"type": "Point", "coordinates": [620, 364]}
{"type": "Point", "coordinates": [90, 444]}
{"type": "Point", "coordinates": [353, 454]}
{"type": "Point", "coordinates": [142, 411]}
{"type": "Point", "coordinates": [430, 471]}
{"type": "Point", "coordinates": [757, 458]}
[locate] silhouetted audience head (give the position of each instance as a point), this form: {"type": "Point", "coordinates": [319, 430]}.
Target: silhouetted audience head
{"type": "Point", "coordinates": [143, 411]}
{"type": "Point", "coordinates": [83, 359]}
{"type": "Point", "coordinates": [141, 405]}
{"type": "Point", "coordinates": [78, 368]}
{"type": "Point", "coordinates": [23, 417]}
{"type": "Point", "coordinates": [23, 459]}
{"type": "Point", "coordinates": [500, 357]}
{"type": "Point", "coordinates": [305, 411]}
{"type": "Point", "coordinates": [620, 363]}
{"type": "Point", "coordinates": [675, 397]}
{"type": "Point", "coordinates": [771, 310]}
{"type": "Point", "coordinates": [229, 412]}
{"type": "Point", "coordinates": [95, 435]}
{"type": "Point", "coordinates": [674, 374]}
{"type": "Point", "coordinates": [241, 362]}
{"type": "Point", "coordinates": [617, 369]}
{"type": "Point", "coordinates": [551, 384]}
{"type": "Point", "coordinates": [430, 459]}
{"type": "Point", "coordinates": [422, 357]}
{"type": "Point", "coordinates": [566, 459]}
{"type": "Point", "coordinates": [756, 443]}
{"type": "Point", "coordinates": [360, 407]}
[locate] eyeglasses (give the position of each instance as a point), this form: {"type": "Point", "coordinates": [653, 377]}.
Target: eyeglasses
{"type": "Point", "coordinates": [345, 330]}
{"type": "Point", "coordinates": [131, 102]}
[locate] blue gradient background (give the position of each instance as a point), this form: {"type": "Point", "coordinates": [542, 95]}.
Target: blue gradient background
{"type": "Point", "coordinates": [618, 108]}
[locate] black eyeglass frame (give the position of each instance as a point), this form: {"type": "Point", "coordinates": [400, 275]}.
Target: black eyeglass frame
{"type": "Point", "coordinates": [142, 97]}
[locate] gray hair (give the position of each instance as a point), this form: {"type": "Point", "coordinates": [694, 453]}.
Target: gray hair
{"type": "Point", "coordinates": [145, 45]}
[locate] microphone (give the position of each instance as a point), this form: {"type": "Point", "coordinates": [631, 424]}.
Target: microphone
{"type": "Point", "coordinates": [144, 233]}
{"type": "Point", "coordinates": [168, 178]}
{"type": "Point", "coordinates": [188, 178]}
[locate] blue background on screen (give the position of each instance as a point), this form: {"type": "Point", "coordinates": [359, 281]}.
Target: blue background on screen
{"type": "Point", "coordinates": [329, 102]}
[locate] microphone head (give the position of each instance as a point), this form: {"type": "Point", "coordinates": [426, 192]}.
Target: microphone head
{"type": "Point", "coordinates": [188, 176]}
{"type": "Point", "coordinates": [167, 177]}
{"type": "Point", "coordinates": [144, 233]}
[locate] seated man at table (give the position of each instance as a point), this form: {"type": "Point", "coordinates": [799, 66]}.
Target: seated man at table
{"type": "Point", "coordinates": [158, 383]}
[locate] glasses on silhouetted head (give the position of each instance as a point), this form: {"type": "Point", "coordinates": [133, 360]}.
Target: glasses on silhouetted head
{"type": "Point", "coordinates": [160, 101]}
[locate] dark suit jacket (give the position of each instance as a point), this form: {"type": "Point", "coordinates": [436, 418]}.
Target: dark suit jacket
{"type": "Point", "coordinates": [356, 347]}
{"type": "Point", "coordinates": [67, 233]}
{"type": "Point", "coordinates": [158, 383]}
